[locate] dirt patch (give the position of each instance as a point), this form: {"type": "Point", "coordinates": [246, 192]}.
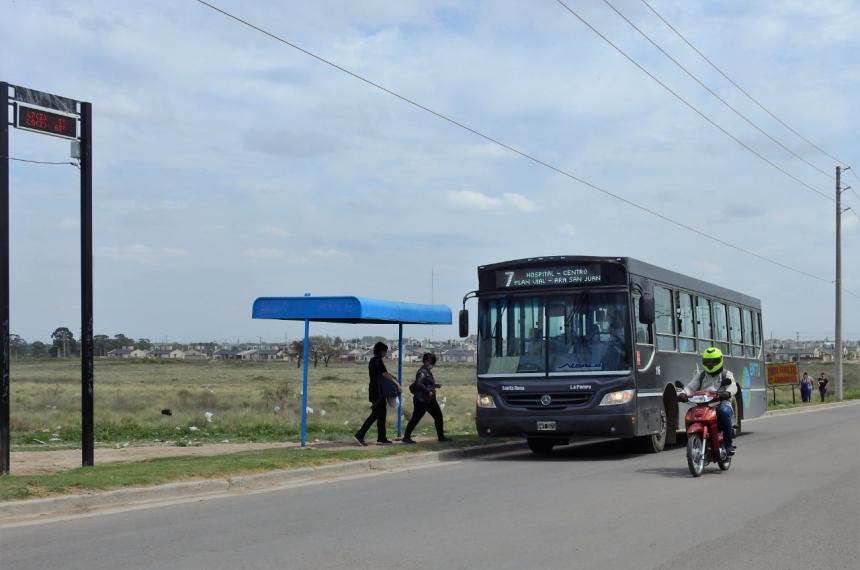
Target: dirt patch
{"type": "Point", "coordinates": [43, 462]}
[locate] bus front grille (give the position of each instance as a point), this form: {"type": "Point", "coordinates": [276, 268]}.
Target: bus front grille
{"type": "Point", "coordinates": [557, 400]}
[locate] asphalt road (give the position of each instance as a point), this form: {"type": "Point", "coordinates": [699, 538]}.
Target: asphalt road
{"type": "Point", "coordinates": [790, 501]}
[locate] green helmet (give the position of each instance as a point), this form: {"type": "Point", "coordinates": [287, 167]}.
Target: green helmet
{"type": "Point", "coordinates": [712, 360]}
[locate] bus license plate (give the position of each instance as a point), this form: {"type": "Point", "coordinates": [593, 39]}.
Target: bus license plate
{"type": "Point", "coordinates": [546, 426]}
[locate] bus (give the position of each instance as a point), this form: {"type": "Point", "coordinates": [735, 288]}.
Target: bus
{"type": "Point", "coordinates": [583, 346]}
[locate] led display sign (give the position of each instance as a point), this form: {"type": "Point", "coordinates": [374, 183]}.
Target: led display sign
{"type": "Point", "coordinates": [557, 276]}
{"type": "Point", "coordinates": [41, 121]}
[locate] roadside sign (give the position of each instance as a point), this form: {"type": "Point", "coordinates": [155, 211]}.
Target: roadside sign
{"type": "Point", "coordinates": [46, 122]}
{"type": "Point", "coordinates": [782, 374]}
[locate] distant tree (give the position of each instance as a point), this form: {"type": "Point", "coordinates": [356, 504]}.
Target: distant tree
{"type": "Point", "coordinates": [143, 344]}
{"type": "Point", "coordinates": [328, 347]}
{"type": "Point", "coordinates": [62, 338]}
{"type": "Point", "coordinates": [18, 347]}
{"type": "Point", "coordinates": [121, 341]}
{"type": "Point", "coordinates": [100, 344]}
{"type": "Point", "coordinates": [297, 347]}
{"type": "Point", "coordinates": [38, 349]}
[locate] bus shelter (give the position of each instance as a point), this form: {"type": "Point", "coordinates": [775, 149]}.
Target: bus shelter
{"type": "Point", "coordinates": [354, 310]}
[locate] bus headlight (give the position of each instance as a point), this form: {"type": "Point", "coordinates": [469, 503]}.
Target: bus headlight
{"type": "Point", "coordinates": [615, 398]}
{"type": "Point", "coordinates": [485, 401]}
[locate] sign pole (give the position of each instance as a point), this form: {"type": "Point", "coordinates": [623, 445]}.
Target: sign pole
{"type": "Point", "coordinates": [4, 282]}
{"type": "Point", "coordinates": [399, 375]}
{"type": "Point", "coordinates": [305, 383]}
{"type": "Point", "coordinates": [87, 399]}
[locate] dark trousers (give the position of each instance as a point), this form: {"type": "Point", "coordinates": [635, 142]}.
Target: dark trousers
{"type": "Point", "coordinates": [419, 409]}
{"type": "Point", "coordinates": [822, 392]}
{"type": "Point", "coordinates": [806, 393]}
{"type": "Point", "coordinates": [377, 414]}
{"type": "Point", "coordinates": [724, 421]}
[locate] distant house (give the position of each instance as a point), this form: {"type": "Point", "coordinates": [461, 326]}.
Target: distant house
{"type": "Point", "coordinates": [250, 354]}
{"type": "Point", "coordinates": [139, 353]}
{"type": "Point", "coordinates": [461, 355]}
{"type": "Point", "coordinates": [225, 354]}
{"type": "Point", "coordinates": [158, 353]}
{"type": "Point", "coordinates": [192, 354]}
{"type": "Point", "coordinates": [120, 353]}
{"type": "Point", "coordinates": [795, 354]}
{"type": "Point", "coordinates": [177, 354]}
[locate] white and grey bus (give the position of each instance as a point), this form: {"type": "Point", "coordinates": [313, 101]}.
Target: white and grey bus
{"type": "Point", "coordinates": [581, 346]}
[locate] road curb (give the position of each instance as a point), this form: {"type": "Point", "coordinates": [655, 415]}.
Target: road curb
{"type": "Point", "coordinates": [813, 408]}
{"type": "Point", "coordinates": [30, 509]}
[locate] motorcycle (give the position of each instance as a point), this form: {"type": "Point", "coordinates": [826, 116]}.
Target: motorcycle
{"type": "Point", "coordinates": [704, 438]}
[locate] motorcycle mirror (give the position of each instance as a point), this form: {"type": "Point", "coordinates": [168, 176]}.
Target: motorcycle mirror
{"type": "Point", "coordinates": [678, 384]}
{"type": "Point", "coordinates": [725, 382]}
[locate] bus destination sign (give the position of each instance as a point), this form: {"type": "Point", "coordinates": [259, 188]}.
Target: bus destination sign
{"type": "Point", "coordinates": [40, 121]}
{"type": "Point", "coordinates": [564, 276]}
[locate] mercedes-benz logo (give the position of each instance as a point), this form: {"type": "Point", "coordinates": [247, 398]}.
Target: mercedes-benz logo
{"type": "Point", "coordinates": [546, 399]}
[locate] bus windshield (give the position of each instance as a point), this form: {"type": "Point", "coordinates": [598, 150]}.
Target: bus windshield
{"type": "Point", "coordinates": [584, 332]}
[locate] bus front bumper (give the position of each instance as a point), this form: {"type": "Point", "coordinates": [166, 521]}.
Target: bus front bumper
{"type": "Point", "coordinates": [503, 423]}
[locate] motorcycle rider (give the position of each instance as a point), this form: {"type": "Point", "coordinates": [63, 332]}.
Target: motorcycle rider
{"type": "Point", "coordinates": [711, 379]}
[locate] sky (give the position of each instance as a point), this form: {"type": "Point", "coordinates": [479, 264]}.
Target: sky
{"type": "Point", "coordinates": [229, 166]}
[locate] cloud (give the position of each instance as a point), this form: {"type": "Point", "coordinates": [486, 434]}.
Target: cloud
{"type": "Point", "coordinates": [274, 231]}
{"type": "Point", "coordinates": [264, 253]}
{"type": "Point", "coordinates": [743, 211]}
{"type": "Point", "coordinates": [468, 199]}
{"type": "Point", "coordinates": [142, 253]}
{"type": "Point", "coordinates": [568, 230]}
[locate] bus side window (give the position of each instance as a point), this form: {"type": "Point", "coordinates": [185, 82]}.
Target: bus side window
{"type": "Point", "coordinates": [686, 331]}
{"type": "Point", "coordinates": [735, 331]}
{"type": "Point", "coordinates": [664, 319]}
{"type": "Point", "coordinates": [704, 328]}
{"type": "Point", "coordinates": [749, 343]}
{"type": "Point", "coordinates": [721, 328]}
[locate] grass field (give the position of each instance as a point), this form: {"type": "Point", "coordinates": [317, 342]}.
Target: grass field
{"type": "Point", "coordinates": [249, 401]}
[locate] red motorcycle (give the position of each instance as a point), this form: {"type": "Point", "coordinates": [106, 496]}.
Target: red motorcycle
{"type": "Point", "coordinates": [704, 438]}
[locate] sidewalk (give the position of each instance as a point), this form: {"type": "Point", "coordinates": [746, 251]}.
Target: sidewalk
{"type": "Point", "coordinates": [15, 512]}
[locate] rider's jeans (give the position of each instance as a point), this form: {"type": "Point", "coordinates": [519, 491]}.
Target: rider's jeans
{"type": "Point", "coordinates": [724, 421]}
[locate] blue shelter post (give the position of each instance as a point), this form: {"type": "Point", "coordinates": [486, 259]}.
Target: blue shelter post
{"type": "Point", "coordinates": [305, 384]}
{"type": "Point", "coordinates": [399, 375]}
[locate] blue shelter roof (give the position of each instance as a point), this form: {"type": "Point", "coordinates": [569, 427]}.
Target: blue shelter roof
{"type": "Point", "coordinates": [349, 310]}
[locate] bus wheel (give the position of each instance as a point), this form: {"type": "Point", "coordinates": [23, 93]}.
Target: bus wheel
{"type": "Point", "coordinates": [540, 446]}
{"type": "Point", "coordinates": [655, 442]}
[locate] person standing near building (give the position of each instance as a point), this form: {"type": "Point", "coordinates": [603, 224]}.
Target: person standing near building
{"type": "Point", "coordinates": [822, 386]}
{"type": "Point", "coordinates": [424, 399]}
{"type": "Point", "coordinates": [381, 385]}
{"type": "Point", "coordinates": [806, 388]}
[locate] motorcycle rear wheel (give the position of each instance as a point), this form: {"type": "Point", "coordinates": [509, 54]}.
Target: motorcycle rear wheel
{"type": "Point", "coordinates": [695, 454]}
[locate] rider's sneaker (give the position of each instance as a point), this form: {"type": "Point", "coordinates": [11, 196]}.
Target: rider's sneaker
{"type": "Point", "coordinates": [730, 450]}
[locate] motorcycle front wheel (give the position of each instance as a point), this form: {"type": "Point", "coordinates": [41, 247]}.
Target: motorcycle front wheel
{"type": "Point", "coordinates": [695, 454]}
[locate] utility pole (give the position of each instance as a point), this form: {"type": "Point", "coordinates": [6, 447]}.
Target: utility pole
{"type": "Point", "coordinates": [838, 347]}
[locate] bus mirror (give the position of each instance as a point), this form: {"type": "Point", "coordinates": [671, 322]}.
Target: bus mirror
{"type": "Point", "coordinates": [646, 309]}
{"type": "Point", "coordinates": [464, 323]}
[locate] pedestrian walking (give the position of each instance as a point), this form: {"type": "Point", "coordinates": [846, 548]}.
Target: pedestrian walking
{"type": "Point", "coordinates": [381, 386]}
{"type": "Point", "coordinates": [424, 399]}
{"type": "Point", "coordinates": [806, 388]}
{"type": "Point", "coordinates": [822, 386]}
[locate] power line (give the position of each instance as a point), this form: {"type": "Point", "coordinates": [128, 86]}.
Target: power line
{"type": "Point", "coordinates": [741, 89]}
{"type": "Point", "coordinates": [37, 161]}
{"type": "Point", "coordinates": [512, 149]}
{"type": "Point", "coordinates": [694, 109]}
{"type": "Point", "coordinates": [715, 94]}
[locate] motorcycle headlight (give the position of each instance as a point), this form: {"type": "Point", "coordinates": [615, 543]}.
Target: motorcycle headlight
{"type": "Point", "coordinates": [616, 398]}
{"type": "Point", "coordinates": [485, 401]}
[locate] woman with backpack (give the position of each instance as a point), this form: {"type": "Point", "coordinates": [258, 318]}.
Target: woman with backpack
{"type": "Point", "coordinates": [424, 399]}
{"type": "Point", "coordinates": [382, 385]}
